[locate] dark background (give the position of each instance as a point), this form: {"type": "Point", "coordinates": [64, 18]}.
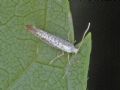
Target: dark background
{"type": "Point", "coordinates": [104, 15]}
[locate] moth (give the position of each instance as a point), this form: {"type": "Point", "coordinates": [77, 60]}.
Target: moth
{"type": "Point", "coordinates": [53, 40]}
{"type": "Point", "coordinates": [56, 41]}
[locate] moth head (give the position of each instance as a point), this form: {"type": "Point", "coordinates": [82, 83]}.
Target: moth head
{"type": "Point", "coordinates": [75, 50]}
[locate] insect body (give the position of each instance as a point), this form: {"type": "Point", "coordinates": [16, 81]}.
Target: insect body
{"type": "Point", "coordinates": [53, 40]}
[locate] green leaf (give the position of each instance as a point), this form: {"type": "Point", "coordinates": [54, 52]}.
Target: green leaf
{"type": "Point", "coordinates": [24, 59]}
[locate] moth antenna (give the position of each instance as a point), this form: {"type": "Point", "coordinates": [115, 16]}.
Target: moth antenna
{"type": "Point", "coordinates": [86, 31]}
{"type": "Point", "coordinates": [84, 35]}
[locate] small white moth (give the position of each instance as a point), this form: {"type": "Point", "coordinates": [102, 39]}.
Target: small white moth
{"type": "Point", "coordinates": [53, 40]}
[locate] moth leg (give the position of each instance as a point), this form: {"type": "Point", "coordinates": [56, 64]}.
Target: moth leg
{"type": "Point", "coordinates": [64, 75]}
{"type": "Point", "coordinates": [68, 58]}
{"type": "Point", "coordinates": [69, 64]}
{"type": "Point", "coordinates": [66, 71]}
{"type": "Point", "coordinates": [58, 56]}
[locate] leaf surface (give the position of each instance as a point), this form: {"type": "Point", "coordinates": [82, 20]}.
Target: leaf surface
{"type": "Point", "coordinates": [24, 59]}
